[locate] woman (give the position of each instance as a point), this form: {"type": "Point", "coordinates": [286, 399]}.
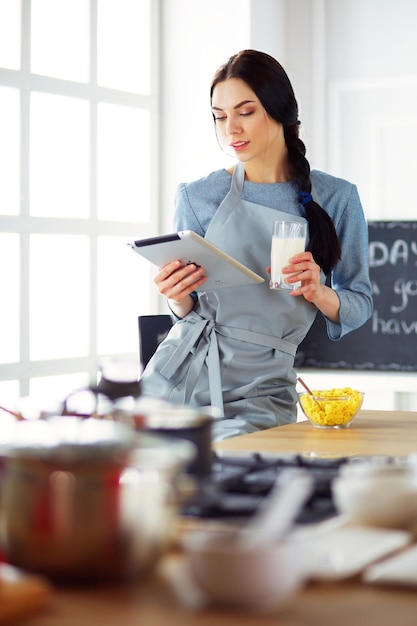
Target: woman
{"type": "Point", "coordinates": [234, 348]}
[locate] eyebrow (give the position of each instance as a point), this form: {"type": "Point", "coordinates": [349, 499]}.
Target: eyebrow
{"type": "Point", "coordinates": [237, 106]}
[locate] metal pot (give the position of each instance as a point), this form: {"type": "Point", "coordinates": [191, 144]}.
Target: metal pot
{"type": "Point", "coordinates": [155, 416]}
{"type": "Point", "coordinates": [88, 499]}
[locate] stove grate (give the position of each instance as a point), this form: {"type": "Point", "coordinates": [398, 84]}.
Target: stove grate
{"type": "Point", "coordinates": [238, 483]}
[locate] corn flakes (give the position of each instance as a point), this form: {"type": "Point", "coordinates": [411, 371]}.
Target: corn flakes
{"type": "Point", "coordinates": [332, 407]}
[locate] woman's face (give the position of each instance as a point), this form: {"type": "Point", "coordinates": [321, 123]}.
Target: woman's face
{"type": "Point", "coordinates": [243, 126]}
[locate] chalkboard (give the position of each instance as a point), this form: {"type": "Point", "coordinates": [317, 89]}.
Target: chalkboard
{"type": "Point", "coordinates": [388, 341]}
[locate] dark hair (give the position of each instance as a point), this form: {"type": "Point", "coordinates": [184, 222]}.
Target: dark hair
{"type": "Point", "coordinates": [269, 81]}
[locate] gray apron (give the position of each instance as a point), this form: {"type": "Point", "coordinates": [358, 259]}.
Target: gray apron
{"type": "Point", "coordinates": [235, 351]}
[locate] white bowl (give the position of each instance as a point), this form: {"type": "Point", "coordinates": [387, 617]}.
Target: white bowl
{"type": "Point", "coordinates": [260, 579]}
{"type": "Point", "coordinates": [377, 494]}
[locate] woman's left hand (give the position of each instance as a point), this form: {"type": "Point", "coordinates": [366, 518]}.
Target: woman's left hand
{"type": "Point", "coordinates": [307, 271]}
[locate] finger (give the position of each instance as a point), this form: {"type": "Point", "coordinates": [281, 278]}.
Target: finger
{"type": "Point", "coordinates": [187, 274]}
{"type": "Point", "coordinates": [182, 281]}
{"type": "Point", "coordinates": [167, 270]}
{"type": "Point", "coordinates": [182, 289]}
{"type": "Point", "coordinates": [302, 266]}
{"type": "Point", "coordinates": [175, 272]}
{"type": "Point", "coordinates": [302, 256]}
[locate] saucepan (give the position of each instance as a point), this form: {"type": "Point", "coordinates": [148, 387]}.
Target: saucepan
{"type": "Point", "coordinates": [122, 401]}
{"type": "Point", "coordinates": [155, 416]}
{"type": "Point", "coordinates": [89, 499]}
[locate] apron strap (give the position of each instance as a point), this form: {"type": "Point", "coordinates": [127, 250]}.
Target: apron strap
{"type": "Point", "coordinates": [260, 339]}
{"type": "Point", "coordinates": [238, 178]}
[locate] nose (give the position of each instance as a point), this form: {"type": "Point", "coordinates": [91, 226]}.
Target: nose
{"type": "Point", "coordinates": [232, 126]}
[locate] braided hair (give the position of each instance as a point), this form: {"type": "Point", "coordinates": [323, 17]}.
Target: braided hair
{"type": "Point", "coordinates": [269, 81]}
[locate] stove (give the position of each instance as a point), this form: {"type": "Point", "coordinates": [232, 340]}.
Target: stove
{"type": "Point", "coordinates": [239, 482]}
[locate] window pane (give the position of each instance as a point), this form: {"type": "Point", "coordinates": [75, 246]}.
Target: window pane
{"type": "Point", "coordinates": [60, 39]}
{"type": "Point", "coordinates": [48, 391]}
{"type": "Point", "coordinates": [9, 393]}
{"type": "Point", "coordinates": [10, 19]}
{"type": "Point", "coordinates": [123, 163]}
{"type": "Point", "coordinates": [9, 150]}
{"type": "Point", "coordinates": [10, 301]}
{"type": "Point", "coordinates": [59, 295]}
{"type": "Point", "coordinates": [123, 294]}
{"type": "Point", "coordinates": [123, 44]}
{"type": "Point", "coordinates": [59, 156]}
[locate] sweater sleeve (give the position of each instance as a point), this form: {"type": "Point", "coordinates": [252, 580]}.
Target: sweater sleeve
{"type": "Point", "coordinates": [197, 202]}
{"type": "Point", "coordinates": [350, 277]}
{"type": "Point", "coordinates": [185, 218]}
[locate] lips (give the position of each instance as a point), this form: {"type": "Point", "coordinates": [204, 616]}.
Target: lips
{"type": "Point", "coordinates": [239, 145]}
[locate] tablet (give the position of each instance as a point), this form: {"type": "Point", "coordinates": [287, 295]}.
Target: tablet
{"type": "Point", "coordinates": [222, 270]}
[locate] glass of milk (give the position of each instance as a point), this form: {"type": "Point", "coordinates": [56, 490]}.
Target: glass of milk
{"type": "Point", "coordinates": [288, 239]}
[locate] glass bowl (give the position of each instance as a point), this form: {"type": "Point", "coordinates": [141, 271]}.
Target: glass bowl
{"type": "Point", "coordinates": [334, 408]}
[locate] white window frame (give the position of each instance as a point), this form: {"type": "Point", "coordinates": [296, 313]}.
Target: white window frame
{"type": "Point", "coordinates": [24, 224]}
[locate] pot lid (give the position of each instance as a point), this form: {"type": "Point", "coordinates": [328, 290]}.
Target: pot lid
{"type": "Point", "coordinates": [69, 438]}
{"type": "Point", "coordinates": [72, 439]}
{"type": "Point", "coordinates": [156, 413]}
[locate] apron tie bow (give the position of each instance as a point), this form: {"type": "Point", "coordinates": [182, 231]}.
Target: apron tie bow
{"type": "Point", "coordinates": [202, 340]}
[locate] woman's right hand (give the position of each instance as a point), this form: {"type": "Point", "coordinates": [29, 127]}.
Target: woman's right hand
{"type": "Point", "coordinates": [176, 281]}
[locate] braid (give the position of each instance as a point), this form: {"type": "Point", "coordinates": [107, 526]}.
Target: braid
{"type": "Point", "coordinates": [323, 241]}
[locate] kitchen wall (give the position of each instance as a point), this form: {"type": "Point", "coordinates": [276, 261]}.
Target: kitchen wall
{"type": "Point", "coordinates": [353, 64]}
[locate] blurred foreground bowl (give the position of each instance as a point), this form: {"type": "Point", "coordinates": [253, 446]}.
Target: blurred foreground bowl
{"type": "Point", "coordinates": [377, 494]}
{"type": "Point", "coordinates": [259, 579]}
{"type": "Point", "coordinates": [335, 408]}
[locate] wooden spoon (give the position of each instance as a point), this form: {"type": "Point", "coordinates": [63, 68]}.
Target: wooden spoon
{"type": "Point", "coordinates": [300, 380]}
{"type": "Point", "coordinates": [3, 408]}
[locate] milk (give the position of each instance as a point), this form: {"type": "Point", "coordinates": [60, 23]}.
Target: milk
{"type": "Point", "coordinates": [282, 249]}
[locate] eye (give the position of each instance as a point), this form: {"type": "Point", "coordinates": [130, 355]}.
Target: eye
{"type": "Point", "coordinates": [219, 118]}
{"type": "Point", "coordinates": [246, 114]}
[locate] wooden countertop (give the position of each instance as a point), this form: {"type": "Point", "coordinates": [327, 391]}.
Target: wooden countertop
{"type": "Point", "coordinates": [159, 599]}
{"type": "Point", "coordinates": [392, 433]}
{"type": "Point", "coordinates": [154, 603]}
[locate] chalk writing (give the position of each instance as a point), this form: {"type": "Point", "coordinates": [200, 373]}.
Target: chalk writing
{"type": "Point", "coordinates": [388, 341]}
{"type": "Point", "coordinates": [392, 326]}
{"type": "Point", "coordinates": [399, 253]}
